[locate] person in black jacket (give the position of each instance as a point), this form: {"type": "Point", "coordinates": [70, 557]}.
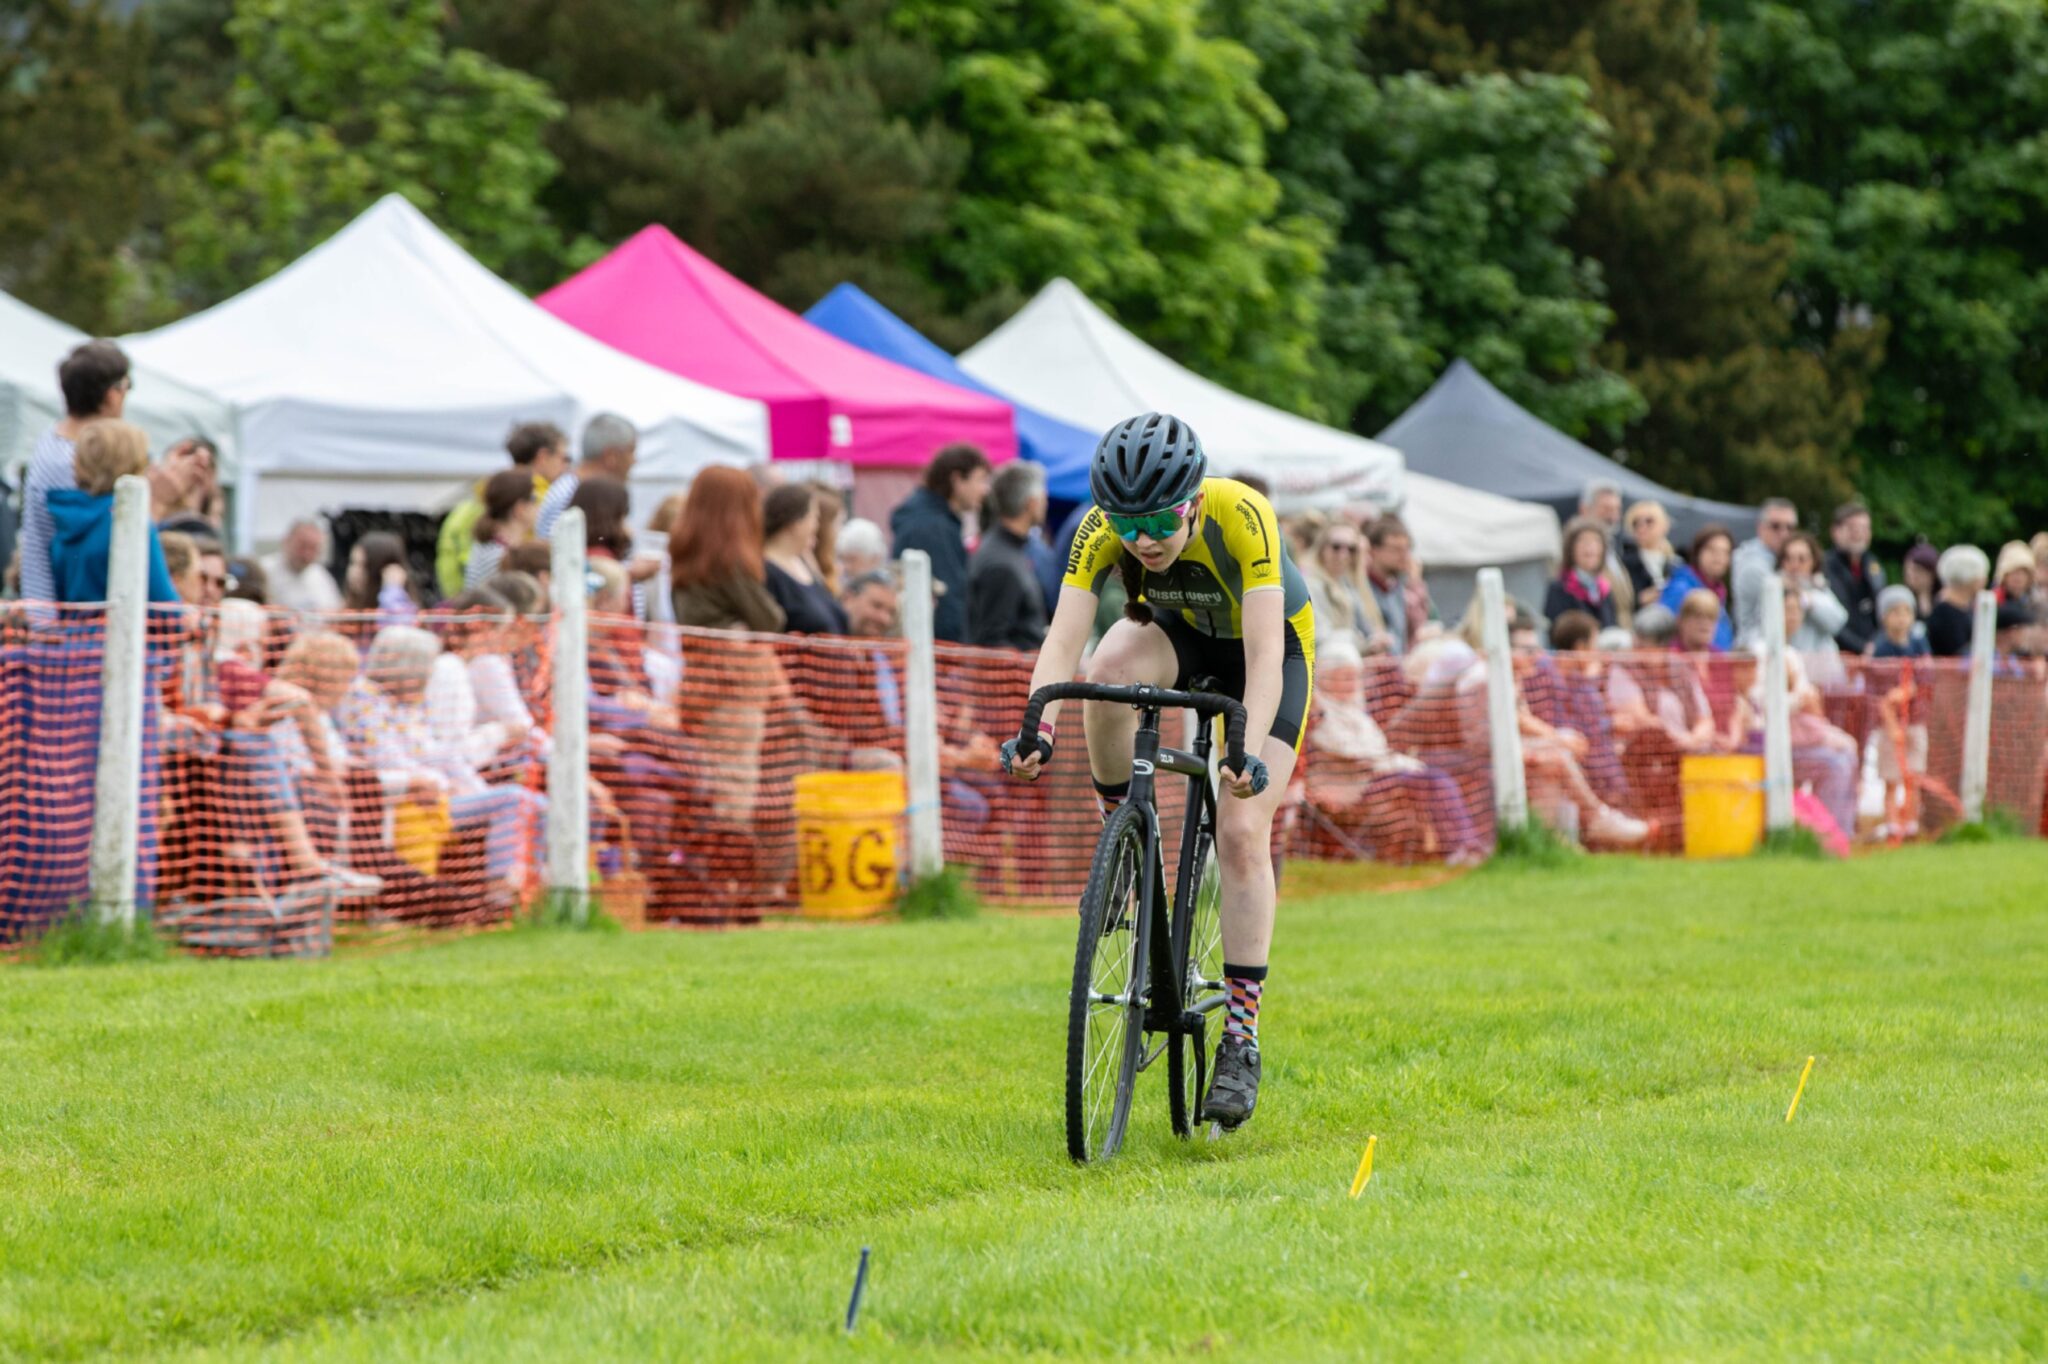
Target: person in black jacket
{"type": "Point", "coordinates": [955, 482]}
{"type": "Point", "coordinates": [1005, 602]}
{"type": "Point", "coordinates": [1855, 577]}
{"type": "Point", "coordinates": [1964, 570]}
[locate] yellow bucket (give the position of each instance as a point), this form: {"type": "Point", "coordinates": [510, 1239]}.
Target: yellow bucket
{"type": "Point", "coordinates": [417, 833]}
{"type": "Point", "coordinates": [847, 842]}
{"type": "Point", "coordinates": [1724, 804]}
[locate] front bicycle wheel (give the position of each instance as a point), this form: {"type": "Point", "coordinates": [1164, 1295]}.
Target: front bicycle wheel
{"type": "Point", "coordinates": [1105, 1011]}
{"type": "Point", "coordinates": [1201, 965]}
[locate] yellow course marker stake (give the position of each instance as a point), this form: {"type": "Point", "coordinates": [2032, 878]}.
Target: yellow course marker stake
{"type": "Point", "coordinates": [1364, 1175]}
{"type": "Point", "coordinates": [1799, 1091]}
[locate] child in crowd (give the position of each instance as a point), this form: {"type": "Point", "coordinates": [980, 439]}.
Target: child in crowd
{"type": "Point", "coordinates": [1902, 731]}
{"type": "Point", "coordinates": [1898, 611]}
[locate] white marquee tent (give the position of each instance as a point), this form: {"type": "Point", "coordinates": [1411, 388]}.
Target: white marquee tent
{"type": "Point", "coordinates": [1065, 356]}
{"type": "Point", "coordinates": [384, 368]}
{"type": "Point", "coordinates": [32, 345]}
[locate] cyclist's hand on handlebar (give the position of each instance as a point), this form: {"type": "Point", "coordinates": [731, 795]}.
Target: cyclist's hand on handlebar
{"type": "Point", "coordinates": [1025, 766]}
{"type": "Point", "coordinates": [1248, 783]}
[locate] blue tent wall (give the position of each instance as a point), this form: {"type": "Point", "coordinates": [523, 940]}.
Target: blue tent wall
{"type": "Point", "coordinates": [853, 316]}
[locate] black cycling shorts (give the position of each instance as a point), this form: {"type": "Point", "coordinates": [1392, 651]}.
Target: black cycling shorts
{"type": "Point", "coordinates": [1198, 655]}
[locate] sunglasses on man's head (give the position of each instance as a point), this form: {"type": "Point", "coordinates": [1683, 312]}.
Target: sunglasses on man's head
{"type": "Point", "coordinates": [1160, 525]}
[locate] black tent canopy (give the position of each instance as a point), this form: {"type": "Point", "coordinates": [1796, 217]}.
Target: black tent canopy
{"type": "Point", "coordinates": [1465, 430]}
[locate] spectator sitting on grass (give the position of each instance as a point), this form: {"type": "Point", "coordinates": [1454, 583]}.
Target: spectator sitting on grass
{"type": "Point", "coordinates": [1963, 570]}
{"type": "Point", "coordinates": [1573, 698]}
{"type": "Point", "coordinates": [470, 625]}
{"type": "Point", "coordinates": [82, 518]}
{"type": "Point", "coordinates": [384, 718]}
{"type": "Point", "coordinates": [1661, 690]}
{"type": "Point", "coordinates": [1702, 624]}
{"type": "Point", "coordinates": [1354, 771]}
{"type": "Point", "coordinates": [1823, 757]}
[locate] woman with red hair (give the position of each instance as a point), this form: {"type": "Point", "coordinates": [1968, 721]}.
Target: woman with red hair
{"type": "Point", "coordinates": [720, 581]}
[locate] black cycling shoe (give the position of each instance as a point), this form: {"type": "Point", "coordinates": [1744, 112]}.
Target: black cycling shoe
{"type": "Point", "coordinates": [1234, 1088]}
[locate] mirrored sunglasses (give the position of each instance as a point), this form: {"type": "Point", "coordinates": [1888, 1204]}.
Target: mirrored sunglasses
{"type": "Point", "coordinates": [1160, 525]}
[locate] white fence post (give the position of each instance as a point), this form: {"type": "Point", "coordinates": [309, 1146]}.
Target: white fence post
{"type": "Point", "coordinates": [1777, 711]}
{"type": "Point", "coordinates": [1977, 719]}
{"type": "Point", "coordinates": [124, 641]}
{"type": "Point", "coordinates": [1503, 718]}
{"type": "Point", "coordinates": [921, 717]}
{"type": "Point", "coordinates": [569, 762]}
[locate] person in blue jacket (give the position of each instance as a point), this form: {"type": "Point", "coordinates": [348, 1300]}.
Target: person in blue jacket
{"type": "Point", "coordinates": [1713, 552]}
{"type": "Point", "coordinates": [107, 451]}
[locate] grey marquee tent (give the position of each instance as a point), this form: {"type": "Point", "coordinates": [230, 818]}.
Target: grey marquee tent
{"type": "Point", "coordinates": [1464, 430]}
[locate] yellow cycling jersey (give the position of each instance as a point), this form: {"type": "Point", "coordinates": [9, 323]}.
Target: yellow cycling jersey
{"type": "Point", "coordinates": [1236, 548]}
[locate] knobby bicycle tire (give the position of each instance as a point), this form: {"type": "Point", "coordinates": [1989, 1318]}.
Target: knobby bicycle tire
{"type": "Point", "coordinates": [1097, 1119]}
{"type": "Point", "coordinates": [1187, 1060]}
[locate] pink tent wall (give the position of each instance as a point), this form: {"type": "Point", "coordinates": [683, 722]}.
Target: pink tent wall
{"type": "Point", "coordinates": [657, 299]}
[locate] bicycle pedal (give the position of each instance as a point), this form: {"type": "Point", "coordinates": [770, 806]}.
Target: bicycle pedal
{"type": "Point", "coordinates": [1215, 1131]}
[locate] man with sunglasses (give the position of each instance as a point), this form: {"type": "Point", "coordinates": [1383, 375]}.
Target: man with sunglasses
{"type": "Point", "coordinates": [1212, 593]}
{"type": "Point", "coordinates": [1755, 560]}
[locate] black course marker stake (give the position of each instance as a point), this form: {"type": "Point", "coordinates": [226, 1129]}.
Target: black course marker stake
{"type": "Point", "coordinates": [860, 1286]}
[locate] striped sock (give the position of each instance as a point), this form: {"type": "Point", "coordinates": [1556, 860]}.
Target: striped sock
{"type": "Point", "coordinates": [1246, 984]}
{"type": "Point", "coordinates": [1110, 796]}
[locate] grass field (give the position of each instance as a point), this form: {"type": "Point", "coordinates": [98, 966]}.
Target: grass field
{"type": "Point", "coordinates": [550, 1146]}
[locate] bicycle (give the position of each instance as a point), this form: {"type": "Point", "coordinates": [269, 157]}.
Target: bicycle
{"type": "Point", "coordinates": [1143, 968]}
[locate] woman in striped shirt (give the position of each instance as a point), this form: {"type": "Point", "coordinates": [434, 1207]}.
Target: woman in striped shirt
{"type": "Point", "coordinates": [510, 511]}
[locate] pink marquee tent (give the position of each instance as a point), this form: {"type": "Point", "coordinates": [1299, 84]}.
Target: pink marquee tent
{"type": "Point", "coordinates": [657, 299]}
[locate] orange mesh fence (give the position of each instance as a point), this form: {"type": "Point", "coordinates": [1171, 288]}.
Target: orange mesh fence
{"type": "Point", "coordinates": [299, 772]}
{"type": "Point", "coordinates": [350, 768]}
{"type": "Point", "coordinates": [50, 665]}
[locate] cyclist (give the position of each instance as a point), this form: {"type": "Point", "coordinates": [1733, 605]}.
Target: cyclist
{"type": "Point", "coordinates": [1212, 593]}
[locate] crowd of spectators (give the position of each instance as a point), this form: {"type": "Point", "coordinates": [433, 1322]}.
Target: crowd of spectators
{"type": "Point", "coordinates": [418, 682]}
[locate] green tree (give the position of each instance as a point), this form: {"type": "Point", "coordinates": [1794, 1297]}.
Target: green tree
{"type": "Point", "coordinates": [1114, 143]}
{"type": "Point", "coordinates": [73, 158]}
{"type": "Point", "coordinates": [1736, 406]}
{"type": "Point", "coordinates": [1447, 201]}
{"type": "Point", "coordinates": [1902, 148]}
{"type": "Point", "coordinates": [335, 102]}
{"type": "Point", "coordinates": [776, 137]}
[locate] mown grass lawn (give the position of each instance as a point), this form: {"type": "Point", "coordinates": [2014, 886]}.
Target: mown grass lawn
{"type": "Point", "coordinates": [544, 1146]}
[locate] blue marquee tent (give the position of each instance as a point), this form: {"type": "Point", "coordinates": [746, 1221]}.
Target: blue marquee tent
{"type": "Point", "coordinates": [850, 314]}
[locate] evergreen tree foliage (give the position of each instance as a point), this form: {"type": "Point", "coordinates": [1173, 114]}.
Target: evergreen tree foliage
{"type": "Point", "coordinates": [1902, 149]}
{"type": "Point", "coordinates": [1116, 143]}
{"type": "Point", "coordinates": [1447, 200]}
{"type": "Point", "coordinates": [1735, 406]}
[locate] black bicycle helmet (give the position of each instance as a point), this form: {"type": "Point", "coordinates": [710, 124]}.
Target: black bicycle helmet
{"type": "Point", "coordinates": [1147, 463]}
